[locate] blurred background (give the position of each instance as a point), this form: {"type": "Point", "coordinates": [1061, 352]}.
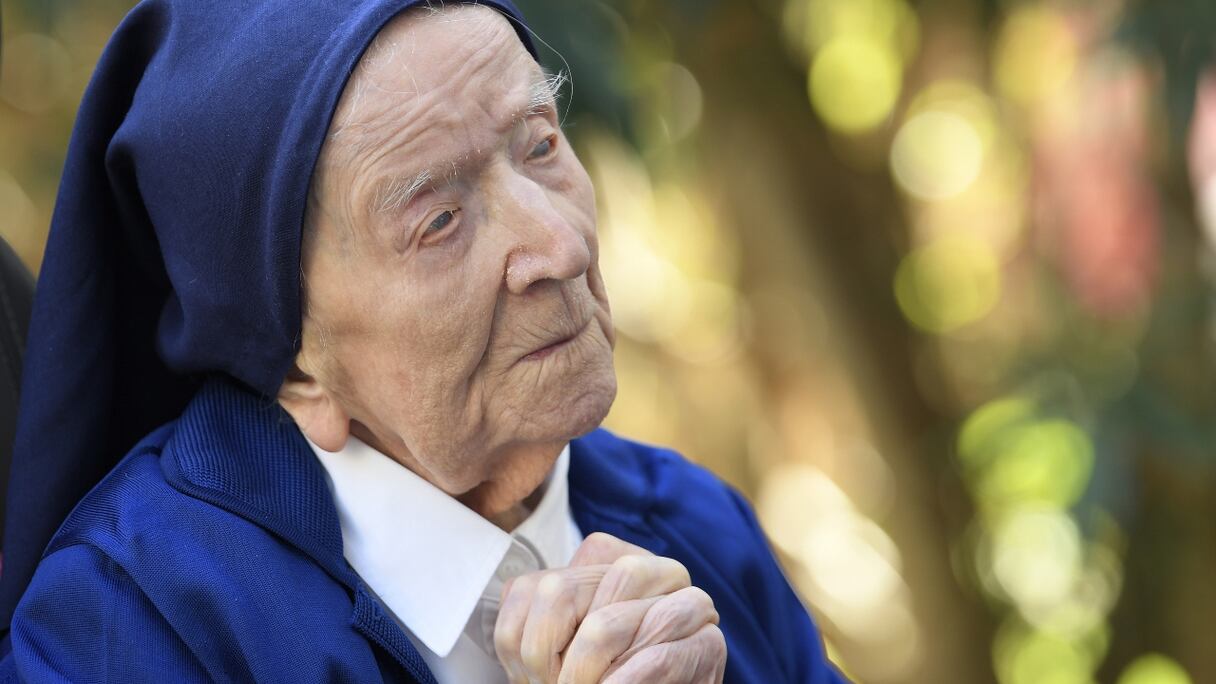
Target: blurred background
{"type": "Point", "coordinates": [931, 282]}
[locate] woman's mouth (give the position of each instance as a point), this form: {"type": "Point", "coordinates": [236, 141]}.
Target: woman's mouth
{"type": "Point", "coordinates": [554, 346]}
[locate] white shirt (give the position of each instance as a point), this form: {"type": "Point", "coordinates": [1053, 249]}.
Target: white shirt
{"type": "Point", "coordinates": [437, 566]}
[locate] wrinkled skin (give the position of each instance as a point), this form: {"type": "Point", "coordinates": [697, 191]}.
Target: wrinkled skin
{"type": "Point", "coordinates": [420, 319]}
{"type": "Point", "coordinates": [464, 330]}
{"type": "Point", "coordinates": [617, 614]}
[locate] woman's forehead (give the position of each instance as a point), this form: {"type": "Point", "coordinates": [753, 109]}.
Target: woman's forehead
{"type": "Point", "coordinates": [424, 47]}
{"type": "Point", "coordinates": [436, 65]}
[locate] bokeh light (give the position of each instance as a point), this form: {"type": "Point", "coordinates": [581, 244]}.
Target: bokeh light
{"type": "Point", "coordinates": [1036, 555]}
{"type": "Point", "coordinates": [947, 284]}
{"type": "Point", "coordinates": [852, 561]}
{"type": "Point", "coordinates": [890, 21]}
{"type": "Point", "coordinates": [1154, 668]}
{"type": "Point", "coordinates": [675, 100]}
{"type": "Point", "coordinates": [1045, 461]}
{"type": "Point", "coordinates": [851, 568]}
{"type": "Point", "coordinates": [36, 72]}
{"type": "Point", "coordinates": [936, 155]}
{"type": "Point", "coordinates": [18, 207]}
{"type": "Point", "coordinates": [854, 83]}
{"type": "Point", "coordinates": [1026, 656]}
{"type": "Point", "coordinates": [1035, 55]}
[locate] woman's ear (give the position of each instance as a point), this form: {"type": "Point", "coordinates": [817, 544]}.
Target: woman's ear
{"type": "Point", "coordinates": [316, 411]}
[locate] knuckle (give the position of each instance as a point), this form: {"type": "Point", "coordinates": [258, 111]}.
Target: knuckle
{"type": "Point", "coordinates": [600, 540]}
{"type": "Point", "coordinates": [551, 586]}
{"type": "Point", "coordinates": [598, 628]}
{"type": "Point", "coordinates": [690, 606]}
{"type": "Point", "coordinates": [506, 636]}
{"type": "Point", "coordinates": [527, 582]}
{"type": "Point", "coordinates": [698, 596]}
{"type": "Point", "coordinates": [519, 588]}
{"type": "Point", "coordinates": [678, 572]}
{"type": "Point", "coordinates": [535, 656]}
{"type": "Point", "coordinates": [593, 629]}
{"type": "Point", "coordinates": [629, 561]}
{"type": "Point", "coordinates": [715, 642]}
{"type": "Point", "coordinates": [669, 567]}
{"type": "Point", "coordinates": [631, 566]}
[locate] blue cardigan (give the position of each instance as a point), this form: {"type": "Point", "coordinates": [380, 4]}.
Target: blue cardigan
{"type": "Point", "coordinates": [213, 552]}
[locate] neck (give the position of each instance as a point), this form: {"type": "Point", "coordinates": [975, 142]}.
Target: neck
{"type": "Point", "coordinates": [511, 518]}
{"type": "Point", "coordinates": [519, 468]}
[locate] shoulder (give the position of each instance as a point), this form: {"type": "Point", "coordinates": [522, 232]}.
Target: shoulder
{"type": "Point", "coordinates": [623, 473]}
{"type": "Point", "coordinates": [657, 499]}
{"type": "Point", "coordinates": [90, 611]}
{"type": "Point", "coordinates": [131, 501]}
{"type": "Point", "coordinates": [84, 618]}
{"type": "Point", "coordinates": [139, 560]}
{"type": "Point", "coordinates": [135, 515]}
{"type": "Point", "coordinates": [661, 490]}
{"type": "Point", "coordinates": [136, 528]}
{"type": "Point", "coordinates": [173, 542]}
{"type": "Point", "coordinates": [229, 474]}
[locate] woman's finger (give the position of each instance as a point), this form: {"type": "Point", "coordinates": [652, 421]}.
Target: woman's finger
{"type": "Point", "coordinates": [696, 659]}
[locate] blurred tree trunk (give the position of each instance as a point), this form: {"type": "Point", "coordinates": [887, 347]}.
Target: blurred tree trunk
{"type": "Point", "coordinates": [847, 226]}
{"type": "Point", "coordinates": [1169, 518]}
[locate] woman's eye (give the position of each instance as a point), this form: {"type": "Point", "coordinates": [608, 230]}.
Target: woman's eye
{"type": "Point", "coordinates": [542, 149]}
{"type": "Point", "coordinates": [440, 222]}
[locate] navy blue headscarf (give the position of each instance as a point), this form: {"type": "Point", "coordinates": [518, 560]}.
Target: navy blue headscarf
{"type": "Point", "coordinates": [174, 250]}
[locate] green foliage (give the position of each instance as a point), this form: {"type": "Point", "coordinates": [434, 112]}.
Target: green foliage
{"type": "Point", "coordinates": [1181, 36]}
{"type": "Point", "coordinates": [587, 39]}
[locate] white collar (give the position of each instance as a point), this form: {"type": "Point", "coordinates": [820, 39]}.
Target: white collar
{"type": "Point", "coordinates": [426, 555]}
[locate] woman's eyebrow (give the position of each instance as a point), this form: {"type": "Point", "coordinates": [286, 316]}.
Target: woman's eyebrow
{"type": "Point", "coordinates": [394, 192]}
{"type": "Point", "coordinates": [545, 91]}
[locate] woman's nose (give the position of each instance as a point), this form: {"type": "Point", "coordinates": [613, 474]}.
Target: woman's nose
{"type": "Point", "coordinates": [547, 246]}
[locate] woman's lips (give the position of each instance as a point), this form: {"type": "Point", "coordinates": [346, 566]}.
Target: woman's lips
{"type": "Point", "coordinates": [550, 348]}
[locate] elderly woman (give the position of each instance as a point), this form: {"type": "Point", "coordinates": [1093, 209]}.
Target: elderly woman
{"type": "Point", "coordinates": [336, 265]}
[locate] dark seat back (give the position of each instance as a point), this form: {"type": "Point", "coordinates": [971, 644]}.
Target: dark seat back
{"type": "Point", "coordinates": [16, 299]}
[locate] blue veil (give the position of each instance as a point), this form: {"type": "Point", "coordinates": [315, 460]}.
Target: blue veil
{"type": "Point", "coordinates": [174, 251]}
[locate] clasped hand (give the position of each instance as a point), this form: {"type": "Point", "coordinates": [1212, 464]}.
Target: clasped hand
{"type": "Point", "coordinates": [617, 614]}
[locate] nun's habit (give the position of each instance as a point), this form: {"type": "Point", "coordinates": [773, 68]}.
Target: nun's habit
{"type": "Point", "coordinates": [166, 316]}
